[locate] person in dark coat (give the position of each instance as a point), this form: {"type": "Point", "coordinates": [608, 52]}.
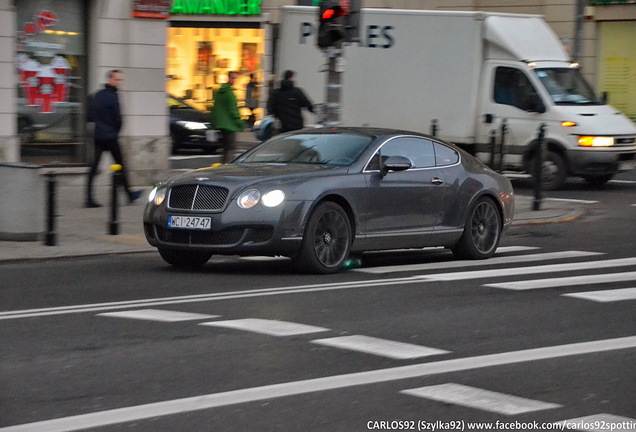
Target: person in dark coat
{"type": "Point", "coordinates": [287, 102]}
{"type": "Point", "coordinates": [105, 112]}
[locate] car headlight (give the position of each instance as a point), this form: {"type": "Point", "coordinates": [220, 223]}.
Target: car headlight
{"type": "Point", "coordinates": [192, 125]}
{"type": "Point", "coordinates": [596, 141]}
{"type": "Point", "coordinates": [248, 198]}
{"type": "Point", "coordinates": [251, 197]}
{"type": "Point", "coordinates": [157, 194]}
{"type": "Point", "coordinates": [273, 198]}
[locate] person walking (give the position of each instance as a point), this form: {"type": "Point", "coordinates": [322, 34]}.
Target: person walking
{"type": "Point", "coordinates": [287, 102]}
{"type": "Point", "coordinates": [104, 111]}
{"type": "Point", "coordinates": [226, 117]}
{"type": "Point", "coordinates": [252, 98]}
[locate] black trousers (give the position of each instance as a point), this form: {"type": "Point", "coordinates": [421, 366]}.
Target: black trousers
{"type": "Point", "coordinates": [228, 139]}
{"type": "Point", "coordinates": [102, 146]}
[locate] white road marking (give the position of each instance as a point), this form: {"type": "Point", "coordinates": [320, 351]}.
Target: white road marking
{"type": "Point", "coordinates": [301, 289]}
{"type": "Point", "coordinates": [480, 399]}
{"type": "Point", "coordinates": [158, 315]}
{"type": "Point", "coordinates": [571, 200]}
{"type": "Point", "coordinates": [600, 423]}
{"type": "Point", "coordinates": [269, 327]}
{"type": "Point", "coordinates": [606, 296]}
{"type": "Point", "coordinates": [551, 268]}
{"type": "Point", "coordinates": [565, 281]}
{"type": "Point", "coordinates": [471, 263]}
{"type": "Point", "coordinates": [380, 347]}
{"type": "Point", "coordinates": [214, 400]}
{"type": "Point", "coordinates": [508, 249]}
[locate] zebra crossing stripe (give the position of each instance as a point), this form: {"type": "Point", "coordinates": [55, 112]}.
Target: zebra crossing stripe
{"type": "Point", "coordinates": [268, 327]}
{"type": "Point", "coordinates": [484, 400]}
{"type": "Point", "coordinates": [606, 296]}
{"type": "Point", "coordinates": [565, 281]}
{"type": "Point", "coordinates": [158, 315]}
{"type": "Point", "coordinates": [599, 423]}
{"type": "Point", "coordinates": [470, 263]}
{"type": "Point", "coordinates": [517, 271]}
{"type": "Point", "coordinates": [380, 347]}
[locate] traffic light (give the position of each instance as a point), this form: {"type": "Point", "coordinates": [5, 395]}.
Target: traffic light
{"type": "Point", "coordinates": [331, 26]}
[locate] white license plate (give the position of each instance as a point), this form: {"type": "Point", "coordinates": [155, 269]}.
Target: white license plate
{"type": "Point", "coordinates": [189, 222]}
{"type": "Point", "coordinates": [212, 135]}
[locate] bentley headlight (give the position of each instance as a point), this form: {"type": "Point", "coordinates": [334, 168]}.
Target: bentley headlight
{"type": "Point", "coordinates": [273, 198]}
{"type": "Point", "coordinates": [596, 141]}
{"type": "Point", "coordinates": [157, 195]}
{"type": "Point", "coordinates": [192, 125]}
{"type": "Point", "coordinates": [248, 198]}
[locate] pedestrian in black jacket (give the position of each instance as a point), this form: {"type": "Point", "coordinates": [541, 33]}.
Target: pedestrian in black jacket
{"type": "Point", "coordinates": [287, 102]}
{"type": "Point", "coordinates": [104, 111]}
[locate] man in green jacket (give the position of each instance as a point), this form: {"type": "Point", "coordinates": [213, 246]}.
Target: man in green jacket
{"type": "Point", "coordinates": [226, 117]}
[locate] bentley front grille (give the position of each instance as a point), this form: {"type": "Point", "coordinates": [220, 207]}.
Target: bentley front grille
{"type": "Point", "coordinates": [197, 197]}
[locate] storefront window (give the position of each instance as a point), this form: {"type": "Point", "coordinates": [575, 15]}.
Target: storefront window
{"type": "Point", "coordinates": [50, 62]}
{"type": "Point", "coordinates": [199, 59]}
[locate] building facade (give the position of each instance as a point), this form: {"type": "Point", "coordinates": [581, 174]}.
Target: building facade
{"type": "Point", "coordinates": [55, 53]}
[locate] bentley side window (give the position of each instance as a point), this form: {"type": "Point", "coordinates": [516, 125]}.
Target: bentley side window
{"type": "Point", "coordinates": [445, 155]}
{"type": "Point", "coordinates": [418, 150]}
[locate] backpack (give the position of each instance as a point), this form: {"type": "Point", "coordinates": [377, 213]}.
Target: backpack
{"type": "Point", "coordinates": [264, 129]}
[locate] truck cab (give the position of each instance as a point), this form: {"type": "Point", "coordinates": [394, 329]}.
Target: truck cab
{"type": "Point", "coordinates": [526, 86]}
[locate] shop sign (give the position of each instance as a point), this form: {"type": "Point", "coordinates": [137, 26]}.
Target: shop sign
{"type": "Point", "coordinates": [216, 7]}
{"type": "Point", "coordinates": [151, 9]}
{"type": "Point", "coordinates": [610, 2]}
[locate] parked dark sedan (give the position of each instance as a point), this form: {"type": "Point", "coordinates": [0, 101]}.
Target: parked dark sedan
{"type": "Point", "coordinates": [190, 128]}
{"type": "Point", "coordinates": [319, 195]}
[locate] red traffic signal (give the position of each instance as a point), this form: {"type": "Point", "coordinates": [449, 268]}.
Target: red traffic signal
{"type": "Point", "coordinates": [332, 12]}
{"type": "Point", "coordinates": [331, 29]}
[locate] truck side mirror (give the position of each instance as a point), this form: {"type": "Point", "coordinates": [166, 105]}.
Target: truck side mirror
{"type": "Point", "coordinates": [534, 104]}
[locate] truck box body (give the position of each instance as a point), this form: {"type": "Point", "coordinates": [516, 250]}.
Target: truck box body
{"type": "Point", "coordinates": [413, 67]}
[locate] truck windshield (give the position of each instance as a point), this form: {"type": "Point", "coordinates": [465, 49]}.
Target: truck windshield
{"type": "Point", "coordinates": [566, 86]}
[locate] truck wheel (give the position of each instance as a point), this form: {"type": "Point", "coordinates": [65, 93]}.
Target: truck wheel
{"type": "Point", "coordinates": [554, 173]}
{"type": "Point", "coordinates": [326, 241]}
{"type": "Point", "coordinates": [598, 180]}
{"type": "Point", "coordinates": [183, 258]}
{"type": "Point", "coordinates": [482, 231]}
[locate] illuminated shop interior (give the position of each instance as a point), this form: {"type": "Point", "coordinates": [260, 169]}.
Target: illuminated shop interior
{"type": "Point", "coordinates": [199, 59]}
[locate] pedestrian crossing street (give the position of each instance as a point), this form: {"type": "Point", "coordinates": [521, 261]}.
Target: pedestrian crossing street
{"type": "Point", "coordinates": [455, 393]}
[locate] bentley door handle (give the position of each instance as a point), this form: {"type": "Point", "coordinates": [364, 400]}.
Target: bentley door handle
{"type": "Point", "coordinates": [437, 181]}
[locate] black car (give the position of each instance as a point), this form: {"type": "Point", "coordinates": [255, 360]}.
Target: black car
{"type": "Point", "coordinates": [319, 195]}
{"type": "Point", "coordinates": [190, 128]}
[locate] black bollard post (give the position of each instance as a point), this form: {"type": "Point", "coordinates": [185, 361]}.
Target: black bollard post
{"type": "Point", "coordinates": [504, 131]}
{"type": "Point", "coordinates": [434, 127]}
{"type": "Point", "coordinates": [50, 239]}
{"type": "Point", "coordinates": [116, 181]}
{"type": "Point", "coordinates": [538, 169]}
{"type": "Point", "coordinates": [493, 147]}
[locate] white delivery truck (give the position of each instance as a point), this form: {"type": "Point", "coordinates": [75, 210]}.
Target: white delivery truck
{"type": "Point", "coordinates": [469, 72]}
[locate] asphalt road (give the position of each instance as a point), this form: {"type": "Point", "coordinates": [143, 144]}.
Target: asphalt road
{"type": "Point", "coordinates": [543, 332]}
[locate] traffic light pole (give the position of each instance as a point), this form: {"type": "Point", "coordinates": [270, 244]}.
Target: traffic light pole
{"type": "Point", "coordinates": [335, 68]}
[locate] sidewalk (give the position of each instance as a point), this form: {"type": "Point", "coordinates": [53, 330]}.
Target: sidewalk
{"type": "Point", "coordinates": [84, 232]}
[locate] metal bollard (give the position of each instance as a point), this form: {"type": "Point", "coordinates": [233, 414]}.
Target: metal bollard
{"type": "Point", "coordinates": [113, 226]}
{"type": "Point", "coordinates": [50, 238]}
{"type": "Point", "coordinates": [538, 169]}
{"type": "Point", "coordinates": [493, 148]}
{"type": "Point", "coordinates": [434, 127]}
{"type": "Point", "coordinates": [502, 145]}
